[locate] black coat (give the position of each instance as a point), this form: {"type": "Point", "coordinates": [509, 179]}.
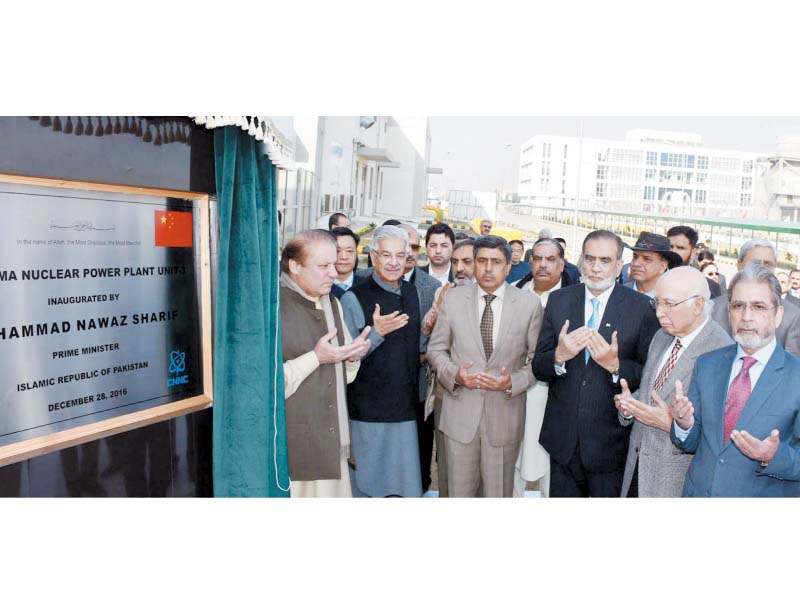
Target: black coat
{"type": "Point", "coordinates": [580, 404]}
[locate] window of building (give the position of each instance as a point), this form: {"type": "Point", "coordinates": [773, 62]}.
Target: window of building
{"type": "Point", "coordinates": [625, 173]}
{"type": "Point", "coordinates": [625, 156]}
{"type": "Point", "coordinates": [723, 181]}
{"type": "Point", "coordinates": [546, 148]}
{"type": "Point", "coordinates": [600, 189]}
{"type": "Point", "coordinates": [601, 171]}
{"type": "Point", "coordinates": [649, 192]}
{"type": "Point", "coordinates": [725, 163]}
{"type": "Point", "coordinates": [700, 196]}
{"type": "Point", "coordinates": [700, 178]}
{"type": "Point", "coordinates": [746, 200]}
{"type": "Point", "coordinates": [747, 166]}
{"type": "Point", "coordinates": [683, 161]}
{"type": "Point", "coordinates": [650, 174]}
{"type": "Point", "coordinates": [652, 158]}
{"type": "Point", "coordinates": [564, 169]}
{"type": "Point", "coordinates": [702, 162]}
{"type": "Point", "coordinates": [747, 183]}
{"type": "Point", "coordinates": [565, 151]}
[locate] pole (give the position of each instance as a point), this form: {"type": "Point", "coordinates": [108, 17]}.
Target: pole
{"type": "Point", "coordinates": [577, 187]}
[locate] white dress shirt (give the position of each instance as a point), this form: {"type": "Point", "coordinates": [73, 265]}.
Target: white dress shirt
{"type": "Point", "coordinates": [650, 294]}
{"type": "Point", "coordinates": [762, 358]}
{"type": "Point", "coordinates": [544, 295]}
{"type": "Point", "coordinates": [347, 283]}
{"type": "Point", "coordinates": [685, 342]}
{"type": "Point", "coordinates": [497, 309]}
{"type": "Point", "coordinates": [444, 278]}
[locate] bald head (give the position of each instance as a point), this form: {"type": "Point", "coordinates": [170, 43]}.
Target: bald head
{"type": "Point", "coordinates": [684, 300]}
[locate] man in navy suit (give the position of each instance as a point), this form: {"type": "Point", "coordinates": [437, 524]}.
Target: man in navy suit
{"type": "Point", "coordinates": [593, 335]}
{"type": "Point", "coordinates": [741, 418]}
{"type": "Point", "coordinates": [346, 261]}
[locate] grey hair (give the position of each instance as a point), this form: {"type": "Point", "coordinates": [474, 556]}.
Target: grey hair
{"type": "Point", "coordinates": [545, 233]}
{"type": "Point", "coordinates": [754, 272]}
{"type": "Point", "coordinates": [388, 232]}
{"type": "Point", "coordinates": [756, 243]}
{"type": "Point", "coordinates": [548, 242]}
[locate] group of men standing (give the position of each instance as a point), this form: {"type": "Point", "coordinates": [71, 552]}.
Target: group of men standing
{"type": "Point", "coordinates": [590, 386]}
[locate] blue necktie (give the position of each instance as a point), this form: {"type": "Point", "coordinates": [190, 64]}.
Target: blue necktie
{"type": "Point", "coordinates": [592, 324]}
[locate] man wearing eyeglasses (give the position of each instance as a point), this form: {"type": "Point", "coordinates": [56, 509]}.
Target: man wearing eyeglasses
{"type": "Point", "coordinates": [593, 335]}
{"type": "Point", "coordinates": [383, 397]}
{"type": "Point", "coordinates": [741, 417]}
{"type": "Point", "coordinates": [654, 468]}
{"type": "Point", "coordinates": [788, 332]}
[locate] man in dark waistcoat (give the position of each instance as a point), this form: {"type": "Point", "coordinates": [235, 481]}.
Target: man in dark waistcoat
{"type": "Point", "coordinates": [319, 359]}
{"type": "Point", "coordinates": [382, 398]}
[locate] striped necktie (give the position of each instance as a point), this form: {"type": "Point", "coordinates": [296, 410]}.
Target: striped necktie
{"type": "Point", "coordinates": [668, 366]}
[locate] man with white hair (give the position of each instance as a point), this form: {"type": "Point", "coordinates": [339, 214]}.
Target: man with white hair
{"type": "Point", "coordinates": [682, 303]}
{"type": "Point", "coordinates": [741, 416]}
{"type": "Point", "coordinates": [383, 397]}
{"type": "Point", "coordinates": [763, 252]}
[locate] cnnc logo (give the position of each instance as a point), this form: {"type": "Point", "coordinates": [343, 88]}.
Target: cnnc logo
{"type": "Point", "coordinates": [177, 365]}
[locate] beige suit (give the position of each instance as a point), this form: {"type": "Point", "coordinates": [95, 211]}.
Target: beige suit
{"type": "Point", "coordinates": [483, 428]}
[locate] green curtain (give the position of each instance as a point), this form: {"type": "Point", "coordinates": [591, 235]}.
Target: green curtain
{"type": "Point", "coordinates": [250, 457]}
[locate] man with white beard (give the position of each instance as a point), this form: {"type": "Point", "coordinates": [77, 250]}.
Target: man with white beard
{"type": "Point", "coordinates": [593, 335]}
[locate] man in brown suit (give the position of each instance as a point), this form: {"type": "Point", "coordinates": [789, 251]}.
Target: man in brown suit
{"type": "Point", "coordinates": [316, 346]}
{"type": "Point", "coordinates": [481, 348]}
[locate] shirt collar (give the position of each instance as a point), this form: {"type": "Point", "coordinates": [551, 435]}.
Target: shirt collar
{"type": "Point", "coordinates": [499, 293]}
{"type": "Point", "coordinates": [408, 275]}
{"type": "Point", "coordinates": [347, 283]}
{"type": "Point", "coordinates": [688, 339]}
{"type": "Point", "coordinates": [384, 285]}
{"type": "Point", "coordinates": [650, 294]}
{"type": "Point", "coordinates": [762, 356]}
{"type": "Point", "coordinates": [602, 297]}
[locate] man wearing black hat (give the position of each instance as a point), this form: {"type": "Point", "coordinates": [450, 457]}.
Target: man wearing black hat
{"type": "Point", "coordinates": [652, 258]}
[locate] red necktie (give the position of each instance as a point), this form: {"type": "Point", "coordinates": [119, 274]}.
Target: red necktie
{"type": "Point", "coordinates": [738, 395]}
{"type": "Point", "coordinates": [668, 366]}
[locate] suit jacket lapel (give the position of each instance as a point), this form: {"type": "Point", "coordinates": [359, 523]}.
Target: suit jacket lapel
{"type": "Point", "coordinates": [473, 318]}
{"type": "Point", "coordinates": [683, 368]}
{"type": "Point", "coordinates": [649, 378]}
{"type": "Point", "coordinates": [612, 314]}
{"type": "Point", "coordinates": [769, 380]}
{"type": "Point", "coordinates": [718, 396]}
{"type": "Point", "coordinates": [506, 317]}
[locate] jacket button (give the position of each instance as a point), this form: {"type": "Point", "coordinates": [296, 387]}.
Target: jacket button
{"type": "Point", "coordinates": [583, 383]}
{"type": "Point", "coordinates": [331, 429]}
{"type": "Point", "coordinates": [721, 460]}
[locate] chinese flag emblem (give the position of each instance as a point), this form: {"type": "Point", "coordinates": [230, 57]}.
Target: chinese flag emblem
{"type": "Point", "coordinates": [173, 229]}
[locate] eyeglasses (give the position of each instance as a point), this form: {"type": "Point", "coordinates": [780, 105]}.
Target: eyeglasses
{"type": "Point", "coordinates": [758, 308]}
{"type": "Point", "coordinates": [668, 305]}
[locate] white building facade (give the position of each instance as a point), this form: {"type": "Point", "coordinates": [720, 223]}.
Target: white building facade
{"type": "Point", "coordinates": [650, 171]}
{"type": "Point", "coordinates": [370, 168]}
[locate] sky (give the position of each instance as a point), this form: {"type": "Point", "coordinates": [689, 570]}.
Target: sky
{"type": "Point", "coordinates": [482, 153]}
